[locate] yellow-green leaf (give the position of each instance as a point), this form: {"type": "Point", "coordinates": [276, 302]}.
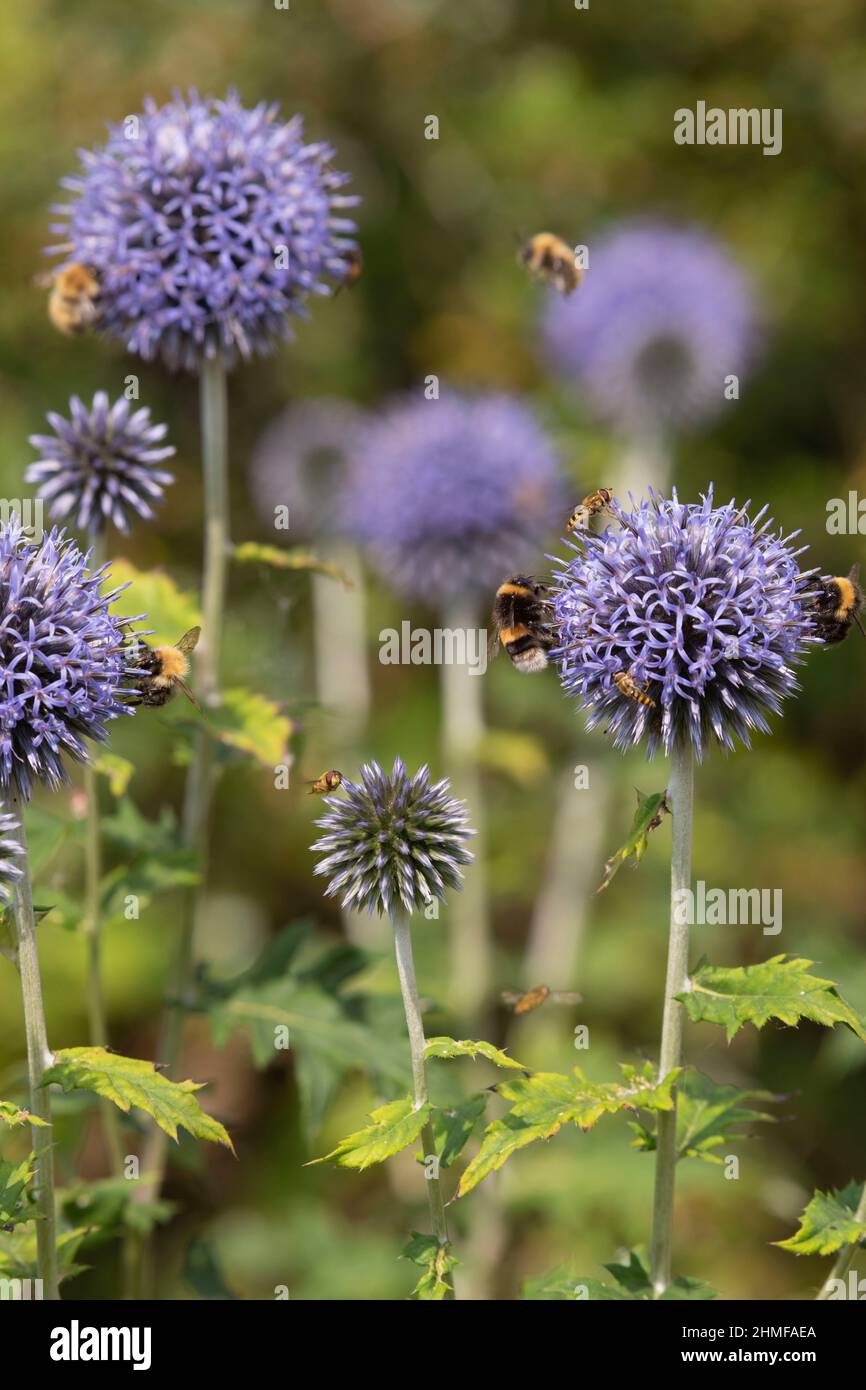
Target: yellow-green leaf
{"type": "Point", "coordinates": [648, 817]}
{"type": "Point", "coordinates": [13, 1115]}
{"type": "Point", "coordinates": [394, 1126]}
{"type": "Point", "coordinates": [449, 1047]}
{"type": "Point", "coordinates": [436, 1261]}
{"type": "Point", "coordinates": [777, 988]}
{"type": "Point", "coordinates": [170, 611]}
{"type": "Point", "coordinates": [251, 552]}
{"type": "Point", "coordinates": [829, 1222]}
{"type": "Point", "coordinates": [252, 724]}
{"type": "Point", "coordinates": [127, 1081]}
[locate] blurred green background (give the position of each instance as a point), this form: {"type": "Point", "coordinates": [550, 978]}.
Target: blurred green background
{"type": "Point", "coordinates": [555, 117]}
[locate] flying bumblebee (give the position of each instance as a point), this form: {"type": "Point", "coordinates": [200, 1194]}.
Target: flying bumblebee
{"type": "Point", "coordinates": [522, 622]}
{"type": "Point", "coordinates": [328, 782]}
{"type": "Point", "coordinates": [594, 505]}
{"type": "Point", "coordinates": [628, 686]}
{"type": "Point", "coordinates": [534, 998]}
{"type": "Point", "coordinates": [549, 258]}
{"type": "Point", "coordinates": [73, 304]}
{"type": "Point", "coordinates": [837, 607]}
{"type": "Point", "coordinates": [161, 671]}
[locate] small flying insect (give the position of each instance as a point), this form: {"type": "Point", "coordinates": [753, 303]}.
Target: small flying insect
{"type": "Point", "coordinates": [161, 672]}
{"type": "Point", "coordinates": [596, 504]}
{"type": "Point", "coordinates": [547, 257]}
{"type": "Point", "coordinates": [73, 304]}
{"type": "Point", "coordinates": [628, 686]}
{"type": "Point", "coordinates": [534, 998]}
{"type": "Point", "coordinates": [327, 782]}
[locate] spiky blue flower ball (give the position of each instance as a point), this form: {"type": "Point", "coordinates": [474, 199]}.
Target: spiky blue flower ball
{"type": "Point", "coordinates": [10, 851]}
{"type": "Point", "coordinates": [450, 496]}
{"type": "Point", "coordinates": [392, 844]}
{"type": "Point", "coordinates": [208, 226]}
{"type": "Point", "coordinates": [662, 317]}
{"type": "Point", "coordinates": [62, 665]}
{"type": "Point", "coordinates": [704, 607]}
{"type": "Point", "coordinates": [100, 464]}
{"type": "Point", "coordinates": [300, 462]}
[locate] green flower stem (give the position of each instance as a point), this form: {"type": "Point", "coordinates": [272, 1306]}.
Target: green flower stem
{"type": "Point", "coordinates": [680, 800]}
{"type": "Point", "coordinates": [93, 923]}
{"type": "Point", "coordinates": [469, 911]}
{"type": "Point", "coordinates": [417, 1043]}
{"type": "Point", "coordinates": [845, 1258]}
{"type": "Point", "coordinates": [199, 787]}
{"type": "Point", "coordinates": [38, 1060]}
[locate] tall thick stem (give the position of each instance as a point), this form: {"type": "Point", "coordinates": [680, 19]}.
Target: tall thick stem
{"type": "Point", "coordinates": [680, 800]}
{"type": "Point", "coordinates": [845, 1258]}
{"type": "Point", "coordinates": [469, 911]}
{"type": "Point", "coordinates": [38, 1060]}
{"type": "Point", "coordinates": [415, 1028]}
{"type": "Point", "coordinates": [199, 787]}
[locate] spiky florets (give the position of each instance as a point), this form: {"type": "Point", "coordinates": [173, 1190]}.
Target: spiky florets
{"type": "Point", "coordinates": [208, 226]}
{"type": "Point", "coordinates": [61, 657]}
{"type": "Point", "coordinates": [392, 844]}
{"type": "Point", "coordinates": [704, 606]}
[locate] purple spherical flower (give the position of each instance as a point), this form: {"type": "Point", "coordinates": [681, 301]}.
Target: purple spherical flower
{"type": "Point", "coordinates": [208, 225]}
{"type": "Point", "coordinates": [392, 844]}
{"type": "Point", "coordinates": [62, 665]}
{"type": "Point", "coordinates": [662, 318]}
{"type": "Point", "coordinates": [100, 464]}
{"type": "Point", "coordinates": [452, 495]}
{"type": "Point", "coordinates": [701, 608]}
{"type": "Point", "coordinates": [10, 851]}
{"type": "Point", "coordinates": [300, 462]}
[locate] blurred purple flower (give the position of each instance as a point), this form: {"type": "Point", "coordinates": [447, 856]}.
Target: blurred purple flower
{"type": "Point", "coordinates": [662, 317]}
{"type": "Point", "coordinates": [703, 605]}
{"type": "Point", "coordinates": [183, 214]}
{"type": "Point", "coordinates": [62, 665]}
{"type": "Point", "coordinates": [451, 496]}
{"type": "Point", "coordinates": [393, 844]}
{"type": "Point", "coordinates": [300, 462]}
{"type": "Point", "coordinates": [99, 465]}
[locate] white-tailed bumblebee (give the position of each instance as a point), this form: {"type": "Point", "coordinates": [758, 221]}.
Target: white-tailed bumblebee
{"type": "Point", "coordinates": [837, 607]}
{"type": "Point", "coordinates": [73, 304]}
{"type": "Point", "coordinates": [327, 782]}
{"type": "Point", "coordinates": [522, 613]}
{"type": "Point", "coordinates": [628, 686]}
{"type": "Point", "coordinates": [548, 257]}
{"type": "Point", "coordinates": [160, 672]}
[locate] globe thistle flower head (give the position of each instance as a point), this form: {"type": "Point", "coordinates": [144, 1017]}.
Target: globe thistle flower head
{"type": "Point", "coordinates": [62, 665]}
{"type": "Point", "coordinates": [662, 317]}
{"type": "Point", "coordinates": [392, 844]}
{"type": "Point", "coordinates": [207, 225]}
{"type": "Point", "coordinates": [10, 851]}
{"type": "Point", "coordinates": [703, 607]}
{"type": "Point", "coordinates": [101, 464]}
{"type": "Point", "coordinates": [300, 462]}
{"type": "Point", "coordinates": [452, 495]}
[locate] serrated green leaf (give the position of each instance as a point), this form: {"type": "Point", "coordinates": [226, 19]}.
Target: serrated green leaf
{"type": "Point", "coordinates": [251, 724]}
{"type": "Point", "coordinates": [18, 1253]}
{"type": "Point", "coordinates": [127, 1081]}
{"type": "Point", "coordinates": [543, 1103]}
{"type": "Point", "coordinates": [170, 611]}
{"type": "Point", "coordinates": [437, 1263]}
{"type": "Point", "coordinates": [118, 771]}
{"type": "Point", "coordinates": [16, 1204]}
{"type": "Point", "coordinates": [778, 988]}
{"type": "Point", "coordinates": [296, 558]}
{"type": "Point", "coordinates": [394, 1127]}
{"type": "Point", "coordinates": [632, 1285]}
{"type": "Point", "coordinates": [648, 816]}
{"type": "Point", "coordinates": [448, 1048]}
{"type": "Point", "coordinates": [829, 1221]}
{"type": "Point", "coordinates": [453, 1127]}
{"type": "Point", "coordinates": [708, 1116]}
{"type": "Point", "coordinates": [12, 1115]}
